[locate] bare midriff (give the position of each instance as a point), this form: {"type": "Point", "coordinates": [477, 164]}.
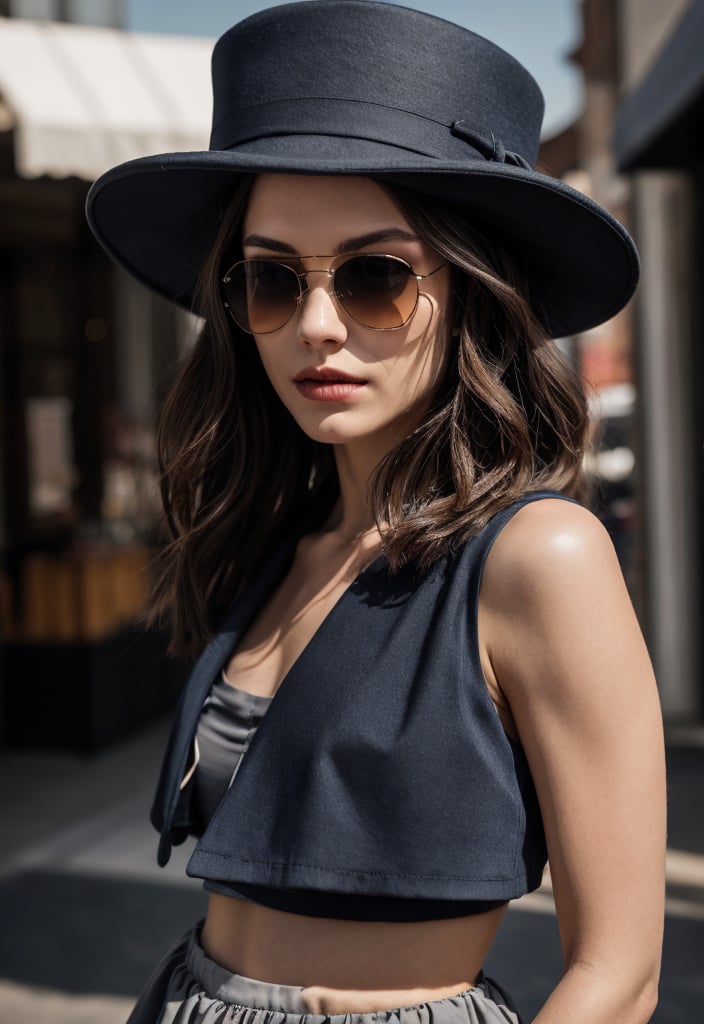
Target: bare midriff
{"type": "Point", "coordinates": [349, 966]}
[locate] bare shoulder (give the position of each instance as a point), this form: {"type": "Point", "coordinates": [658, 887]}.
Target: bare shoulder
{"type": "Point", "coordinates": [555, 614]}
{"type": "Point", "coordinates": [553, 594]}
{"type": "Point", "coordinates": [549, 546]}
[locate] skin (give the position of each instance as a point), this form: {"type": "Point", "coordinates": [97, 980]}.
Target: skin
{"type": "Point", "coordinates": [562, 654]}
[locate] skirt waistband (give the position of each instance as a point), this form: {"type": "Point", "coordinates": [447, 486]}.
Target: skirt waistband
{"type": "Point", "coordinates": [187, 987]}
{"type": "Point", "coordinates": [236, 990]}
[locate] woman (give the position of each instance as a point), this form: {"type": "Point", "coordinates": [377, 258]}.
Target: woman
{"type": "Point", "coordinates": [422, 671]}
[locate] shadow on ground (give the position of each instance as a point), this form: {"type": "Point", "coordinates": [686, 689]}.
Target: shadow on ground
{"type": "Point", "coordinates": [89, 935]}
{"type": "Point", "coordinates": [685, 800]}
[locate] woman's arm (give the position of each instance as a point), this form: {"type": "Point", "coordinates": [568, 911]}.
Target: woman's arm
{"type": "Point", "coordinates": [561, 642]}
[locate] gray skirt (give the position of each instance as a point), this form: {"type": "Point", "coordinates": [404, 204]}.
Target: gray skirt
{"type": "Point", "coordinates": [187, 987]}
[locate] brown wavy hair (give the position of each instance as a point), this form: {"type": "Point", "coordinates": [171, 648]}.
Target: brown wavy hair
{"type": "Point", "coordinates": [237, 471]}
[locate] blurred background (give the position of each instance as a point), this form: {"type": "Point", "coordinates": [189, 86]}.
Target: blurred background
{"type": "Point", "coordinates": [86, 355]}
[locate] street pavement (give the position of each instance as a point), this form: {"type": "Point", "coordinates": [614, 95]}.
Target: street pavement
{"type": "Point", "coordinates": [85, 911]}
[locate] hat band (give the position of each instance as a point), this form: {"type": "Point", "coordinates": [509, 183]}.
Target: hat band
{"type": "Point", "coordinates": [356, 119]}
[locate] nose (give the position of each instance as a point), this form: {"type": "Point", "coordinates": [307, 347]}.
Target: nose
{"type": "Point", "coordinates": [319, 318]}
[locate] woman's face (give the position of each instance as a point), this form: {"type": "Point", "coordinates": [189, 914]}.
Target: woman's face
{"type": "Point", "coordinates": [342, 382]}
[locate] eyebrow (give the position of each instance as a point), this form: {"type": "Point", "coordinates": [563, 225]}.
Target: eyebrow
{"type": "Point", "coordinates": [349, 245]}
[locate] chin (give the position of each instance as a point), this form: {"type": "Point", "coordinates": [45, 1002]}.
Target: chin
{"type": "Point", "coordinates": [332, 429]}
{"type": "Point", "coordinates": [329, 434]}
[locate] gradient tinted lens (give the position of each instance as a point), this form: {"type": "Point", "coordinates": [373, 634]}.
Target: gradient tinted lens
{"type": "Point", "coordinates": [262, 295]}
{"type": "Point", "coordinates": [377, 291]}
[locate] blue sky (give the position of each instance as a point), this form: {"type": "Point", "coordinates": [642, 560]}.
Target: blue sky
{"type": "Point", "coordinates": [539, 33]}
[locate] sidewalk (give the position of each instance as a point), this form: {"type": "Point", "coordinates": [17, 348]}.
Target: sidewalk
{"type": "Point", "coordinates": [86, 912]}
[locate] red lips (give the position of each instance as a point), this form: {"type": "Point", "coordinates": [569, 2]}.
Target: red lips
{"type": "Point", "coordinates": [326, 384]}
{"type": "Point", "coordinates": [327, 373]}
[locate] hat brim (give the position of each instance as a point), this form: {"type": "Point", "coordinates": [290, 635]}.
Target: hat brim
{"type": "Point", "coordinates": [157, 217]}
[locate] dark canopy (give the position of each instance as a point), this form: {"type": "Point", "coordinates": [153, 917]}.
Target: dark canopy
{"type": "Point", "coordinates": [660, 125]}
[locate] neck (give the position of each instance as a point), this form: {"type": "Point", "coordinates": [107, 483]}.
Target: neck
{"type": "Point", "coordinates": [352, 520]}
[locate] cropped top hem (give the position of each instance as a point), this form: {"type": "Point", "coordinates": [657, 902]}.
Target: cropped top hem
{"type": "Point", "coordinates": [229, 871]}
{"type": "Point", "coordinates": [351, 906]}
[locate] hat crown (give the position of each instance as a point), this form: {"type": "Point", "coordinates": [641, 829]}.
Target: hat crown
{"type": "Point", "coordinates": [376, 71]}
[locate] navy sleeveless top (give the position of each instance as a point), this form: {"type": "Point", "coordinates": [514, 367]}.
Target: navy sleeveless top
{"type": "Point", "coordinates": [381, 768]}
{"type": "Point", "coordinates": [227, 724]}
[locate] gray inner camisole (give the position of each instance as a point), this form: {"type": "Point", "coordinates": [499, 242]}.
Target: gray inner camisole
{"type": "Point", "coordinates": [227, 724]}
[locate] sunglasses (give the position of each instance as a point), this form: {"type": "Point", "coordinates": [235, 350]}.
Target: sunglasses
{"type": "Point", "coordinates": [378, 291]}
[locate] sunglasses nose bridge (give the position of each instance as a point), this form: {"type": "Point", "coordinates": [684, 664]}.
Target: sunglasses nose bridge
{"type": "Point", "coordinates": [319, 319]}
{"type": "Point", "coordinates": [303, 287]}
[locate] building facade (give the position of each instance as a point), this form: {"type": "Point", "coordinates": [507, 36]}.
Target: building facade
{"type": "Point", "coordinates": [636, 148]}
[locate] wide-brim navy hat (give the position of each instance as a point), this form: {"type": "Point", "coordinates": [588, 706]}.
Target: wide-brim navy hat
{"type": "Point", "coordinates": [369, 88]}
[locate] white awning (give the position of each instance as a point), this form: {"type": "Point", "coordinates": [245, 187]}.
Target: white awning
{"type": "Point", "coordinates": [83, 99]}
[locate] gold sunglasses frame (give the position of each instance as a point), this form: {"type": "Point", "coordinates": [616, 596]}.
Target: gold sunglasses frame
{"type": "Point", "coordinates": [330, 271]}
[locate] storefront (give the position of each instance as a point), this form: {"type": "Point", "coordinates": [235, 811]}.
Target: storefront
{"type": "Point", "coordinates": [85, 353]}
